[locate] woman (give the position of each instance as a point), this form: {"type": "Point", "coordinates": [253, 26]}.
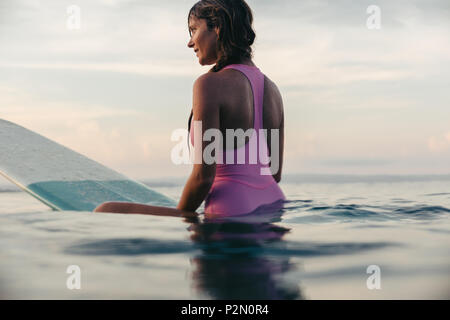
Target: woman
{"type": "Point", "coordinates": [234, 94]}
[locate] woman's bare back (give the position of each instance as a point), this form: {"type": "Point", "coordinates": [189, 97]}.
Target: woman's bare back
{"type": "Point", "coordinates": [236, 103]}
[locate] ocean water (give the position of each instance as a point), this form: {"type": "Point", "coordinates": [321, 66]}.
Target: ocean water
{"type": "Point", "coordinates": [337, 238]}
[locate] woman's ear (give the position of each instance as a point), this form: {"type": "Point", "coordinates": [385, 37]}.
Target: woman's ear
{"type": "Point", "coordinates": [217, 31]}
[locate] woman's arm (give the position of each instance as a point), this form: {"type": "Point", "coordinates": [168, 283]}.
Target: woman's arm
{"type": "Point", "coordinates": [195, 190]}
{"type": "Point", "coordinates": [277, 175]}
{"type": "Point", "coordinates": [275, 120]}
{"type": "Point", "coordinates": [205, 109]}
{"type": "Point", "coordinates": [137, 208]}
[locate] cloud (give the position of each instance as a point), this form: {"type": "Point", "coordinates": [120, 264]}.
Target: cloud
{"type": "Point", "coordinates": [440, 143]}
{"type": "Point", "coordinates": [357, 162]}
{"type": "Point", "coordinates": [178, 68]}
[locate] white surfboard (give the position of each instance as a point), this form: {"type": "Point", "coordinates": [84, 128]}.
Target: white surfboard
{"type": "Point", "coordinates": [64, 179]}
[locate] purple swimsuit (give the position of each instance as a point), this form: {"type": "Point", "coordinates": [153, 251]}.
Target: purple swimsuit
{"type": "Point", "coordinates": [241, 188]}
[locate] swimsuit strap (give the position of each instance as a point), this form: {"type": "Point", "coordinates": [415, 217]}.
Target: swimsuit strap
{"type": "Point", "coordinates": [256, 78]}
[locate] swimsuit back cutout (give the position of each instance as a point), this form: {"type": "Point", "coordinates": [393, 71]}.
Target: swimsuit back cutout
{"type": "Point", "coordinates": [243, 181]}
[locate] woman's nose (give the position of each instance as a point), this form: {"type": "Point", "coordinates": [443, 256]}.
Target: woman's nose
{"type": "Point", "coordinates": [190, 43]}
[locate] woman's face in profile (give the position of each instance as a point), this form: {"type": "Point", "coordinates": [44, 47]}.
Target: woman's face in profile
{"type": "Point", "coordinates": [203, 41]}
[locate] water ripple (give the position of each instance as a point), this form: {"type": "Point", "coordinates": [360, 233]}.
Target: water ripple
{"type": "Point", "coordinates": [129, 247]}
{"type": "Point", "coordinates": [418, 211]}
{"type": "Point", "coordinates": [304, 249]}
{"type": "Point", "coordinates": [422, 211]}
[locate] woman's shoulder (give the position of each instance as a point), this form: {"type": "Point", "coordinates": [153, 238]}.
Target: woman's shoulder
{"type": "Point", "coordinates": [218, 84]}
{"type": "Point", "coordinates": [271, 89]}
{"type": "Point", "coordinates": [207, 84]}
{"type": "Point", "coordinates": [215, 77]}
{"type": "Point", "coordinates": [206, 78]}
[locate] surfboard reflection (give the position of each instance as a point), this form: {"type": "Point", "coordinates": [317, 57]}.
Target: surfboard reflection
{"type": "Point", "coordinates": [234, 262]}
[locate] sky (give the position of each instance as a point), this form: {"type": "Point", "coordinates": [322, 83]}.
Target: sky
{"type": "Point", "coordinates": [357, 100]}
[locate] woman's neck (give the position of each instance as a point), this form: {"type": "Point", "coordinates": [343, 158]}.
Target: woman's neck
{"type": "Point", "coordinates": [247, 62]}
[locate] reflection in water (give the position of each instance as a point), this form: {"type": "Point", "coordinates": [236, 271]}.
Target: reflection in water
{"type": "Point", "coordinates": [232, 264]}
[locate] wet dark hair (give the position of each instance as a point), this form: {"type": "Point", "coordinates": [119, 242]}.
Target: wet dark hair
{"type": "Point", "coordinates": [234, 20]}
